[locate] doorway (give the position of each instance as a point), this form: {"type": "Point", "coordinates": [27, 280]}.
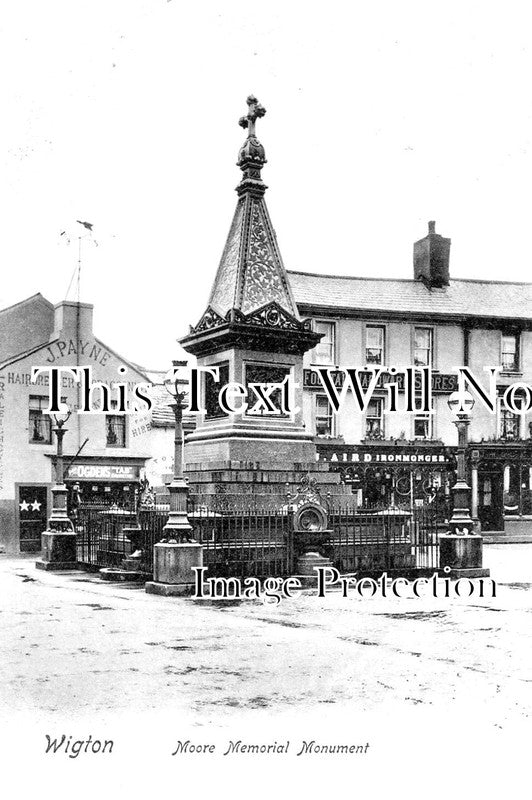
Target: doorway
{"type": "Point", "coordinates": [490, 498]}
{"type": "Point", "coordinates": [33, 515]}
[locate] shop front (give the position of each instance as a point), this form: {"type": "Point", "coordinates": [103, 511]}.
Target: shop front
{"type": "Point", "coordinates": [504, 484]}
{"type": "Point", "coordinates": [395, 474]}
{"type": "Point", "coordinates": [101, 481]}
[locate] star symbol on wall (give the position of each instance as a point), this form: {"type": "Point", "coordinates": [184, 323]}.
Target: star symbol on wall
{"type": "Point", "coordinates": [24, 506]}
{"type": "Point", "coordinates": [36, 506]}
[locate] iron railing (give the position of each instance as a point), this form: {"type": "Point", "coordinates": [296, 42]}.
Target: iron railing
{"type": "Point", "coordinates": [242, 537]}
{"type": "Point", "coordinates": [387, 539]}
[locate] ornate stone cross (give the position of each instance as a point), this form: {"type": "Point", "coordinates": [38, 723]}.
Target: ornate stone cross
{"type": "Point", "coordinates": [255, 111]}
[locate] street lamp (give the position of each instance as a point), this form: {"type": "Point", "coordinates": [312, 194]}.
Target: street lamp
{"type": "Point", "coordinates": [59, 520]}
{"type": "Point", "coordinates": [178, 528]}
{"type": "Point", "coordinates": [461, 404]}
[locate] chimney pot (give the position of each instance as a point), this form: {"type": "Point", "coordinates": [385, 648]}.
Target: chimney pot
{"type": "Point", "coordinates": [432, 226]}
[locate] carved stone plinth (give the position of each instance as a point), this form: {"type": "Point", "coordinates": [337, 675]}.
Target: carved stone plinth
{"type": "Point", "coordinates": [463, 555]}
{"type": "Point", "coordinates": [173, 568]}
{"type": "Point", "coordinates": [58, 551]}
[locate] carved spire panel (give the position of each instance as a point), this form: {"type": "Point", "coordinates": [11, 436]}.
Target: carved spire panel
{"type": "Point", "coordinates": [264, 277]}
{"type": "Point", "coordinates": [224, 290]}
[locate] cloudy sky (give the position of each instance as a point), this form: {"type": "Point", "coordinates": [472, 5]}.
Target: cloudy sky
{"type": "Point", "coordinates": [380, 116]}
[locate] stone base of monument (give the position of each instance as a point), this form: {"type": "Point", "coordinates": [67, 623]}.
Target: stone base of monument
{"type": "Point", "coordinates": [58, 551]}
{"type": "Point", "coordinates": [173, 568]}
{"type": "Point", "coordinates": [463, 556]}
{"type": "Point", "coordinates": [306, 569]}
{"type": "Point", "coordinates": [263, 479]}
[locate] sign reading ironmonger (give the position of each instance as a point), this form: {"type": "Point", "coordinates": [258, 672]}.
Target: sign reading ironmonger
{"type": "Point", "coordinates": [346, 453]}
{"type": "Point", "coordinates": [105, 472]}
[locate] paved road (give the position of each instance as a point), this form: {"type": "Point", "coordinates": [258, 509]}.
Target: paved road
{"type": "Point", "coordinates": [73, 644]}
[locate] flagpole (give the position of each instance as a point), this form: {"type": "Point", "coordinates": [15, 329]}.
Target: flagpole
{"type": "Point", "coordinates": [78, 343]}
{"type": "Point", "coordinates": [79, 268]}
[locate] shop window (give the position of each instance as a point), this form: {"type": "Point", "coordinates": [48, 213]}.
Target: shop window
{"type": "Point", "coordinates": [115, 425]}
{"type": "Point", "coordinates": [375, 419]}
{"type": "Point", "coordinates": [374, 344]}
{"type": "Point", "coordinates": [510, 352]}
{"type": "Point", "coordinates": [324, 352]}
{"type": "Point", "coordinates": [324, 416]}
{"type": "Point", "coordinates": [423, 426]}
{"type": "Point", "coordinates": [423, 345]}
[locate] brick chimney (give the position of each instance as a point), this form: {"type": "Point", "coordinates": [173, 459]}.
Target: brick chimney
{"type": "Point", "coordinates": [431, 259]}
{"type": "Point", "coordinates": [72, 318]}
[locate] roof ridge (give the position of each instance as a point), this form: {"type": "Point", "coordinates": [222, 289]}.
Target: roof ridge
{"type": "Point", "coordinates": [26, 300]}
{"type": "Point", "coordinates": [403, 280]}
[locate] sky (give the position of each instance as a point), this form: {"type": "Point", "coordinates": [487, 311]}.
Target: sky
{"type": "Point", "coordinates": [380, 117]}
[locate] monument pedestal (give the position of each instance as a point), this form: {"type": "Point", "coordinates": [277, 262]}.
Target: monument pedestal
{"type": "Point", "coordinates": [58, 551]}
{"type": "Point", "coordinates": [463, 556]}
{"type": "Point", "coordinates": [173, 568]}
{"type": "Point", "coordinates": [261, 479]}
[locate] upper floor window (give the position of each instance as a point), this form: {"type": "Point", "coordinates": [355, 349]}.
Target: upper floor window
{"type": "Point", "coordinates": [115, 426]}
{"type": "Point", "coordinates": [324, 416]}
{"type": "Point", "coordinates": [375, 419]}
{"type": "Point", "coordinates": [40, 424]}
{"type": "Point", "coordinates": [324, 352]}
{"type": "Point", "coordinates": [510, 352]}
{"type": "Point", "coordinates": [509, 424]}
{"type": "Point", "coordinates": [374, 344]}
{"type": "Point", "coordinates": [423, 344]}
{"type": "Point", "coordinates": [423, 426]}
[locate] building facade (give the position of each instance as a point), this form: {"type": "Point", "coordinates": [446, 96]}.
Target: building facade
{"type": "Point", "coordinates": [435, 321]}
{"type": "Point", "coordinates": [106, 454]}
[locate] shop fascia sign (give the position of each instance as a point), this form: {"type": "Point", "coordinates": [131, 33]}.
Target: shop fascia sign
{"type": "Point", "coordinates": [441, 383]}
{"type": "Point", "coordinates": [105, 472]}
{"type": "Point", "coordinates": [382, 457]}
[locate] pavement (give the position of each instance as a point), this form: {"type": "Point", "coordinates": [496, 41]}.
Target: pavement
{"type": "Point", "coordinates": [434, 695]}
{"type": "Point", "coordinates": [73, 644]}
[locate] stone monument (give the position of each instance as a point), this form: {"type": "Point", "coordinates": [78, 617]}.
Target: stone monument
{"type": "Point", "coordinates": [252, 332]}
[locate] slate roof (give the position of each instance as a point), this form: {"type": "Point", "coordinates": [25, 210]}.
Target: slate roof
{"type": "Point", "coordinates": [462, 298]}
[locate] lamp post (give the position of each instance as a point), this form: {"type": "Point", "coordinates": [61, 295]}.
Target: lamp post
{"type": "Point", "coordinates": [177, 557]}
{"type": "Point", "coordinates": [461, 548]}
{"type": "Point", "coordinates": [461, 522]}
{"type": "Point", "coordinates": [178, 528]}
{"type": "Point", "coordinates": [59, 538]}
{"type": "Point", "coordinates": [59, 519]}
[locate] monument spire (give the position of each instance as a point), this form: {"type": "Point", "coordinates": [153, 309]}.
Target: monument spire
{"type": "Point", "coordinates": [251, 289]}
